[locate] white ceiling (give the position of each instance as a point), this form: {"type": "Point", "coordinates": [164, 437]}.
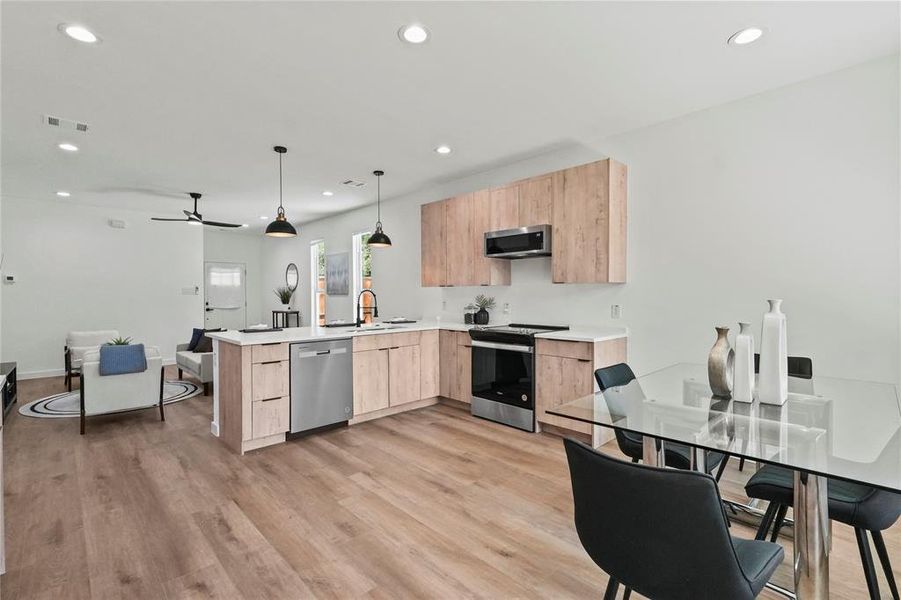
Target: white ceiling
{"type": "Point", "coordinates": [191, 96]}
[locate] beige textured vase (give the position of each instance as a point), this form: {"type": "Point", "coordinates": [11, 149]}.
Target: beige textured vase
{"type": "Point", "coordinates": [720, 364]}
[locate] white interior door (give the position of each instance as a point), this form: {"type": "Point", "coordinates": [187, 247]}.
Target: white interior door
{"type": "Point", "coordinates": [225, 296]}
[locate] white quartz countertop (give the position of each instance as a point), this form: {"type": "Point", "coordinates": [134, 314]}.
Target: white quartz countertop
{"type": "Point", "coordinates": [313, 334]}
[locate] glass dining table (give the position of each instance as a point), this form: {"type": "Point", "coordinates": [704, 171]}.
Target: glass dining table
{"type": "Point", "coordinates": [828, 428]}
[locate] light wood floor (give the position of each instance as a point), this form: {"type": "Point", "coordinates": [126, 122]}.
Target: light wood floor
{"type": "Point", "coordinates": [428, 504]}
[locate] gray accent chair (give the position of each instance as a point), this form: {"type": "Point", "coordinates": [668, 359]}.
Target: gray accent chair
{"type": "Point", "coordinates": [198, 364]}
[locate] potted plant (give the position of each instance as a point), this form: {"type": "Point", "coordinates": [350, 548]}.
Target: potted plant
{"type": "Point", "coordinates": [284, 294]}
{"type": "Point", "coordinates": [119, 341]}
{"type": "Point", "coordinates": [468, 310]}
{"type": "Point", "coordinates": [484, 303]}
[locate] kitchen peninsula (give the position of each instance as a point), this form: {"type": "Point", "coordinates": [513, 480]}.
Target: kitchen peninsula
{"type": "Point", "coordinates": [392, 368]}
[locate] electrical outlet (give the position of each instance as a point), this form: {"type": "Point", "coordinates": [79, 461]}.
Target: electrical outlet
{"type": "Point", "coordinates": [506, 308]}
{"type": "Point", "coordinates": [616, 311]}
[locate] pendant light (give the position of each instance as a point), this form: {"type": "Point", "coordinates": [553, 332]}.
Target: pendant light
{"type": "Point", "coordinates": [379, 239]}
{"type": "Point", "coordinates": [280, 227]}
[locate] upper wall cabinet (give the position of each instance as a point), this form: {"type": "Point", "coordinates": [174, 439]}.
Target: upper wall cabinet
{"type": "Point", "coordinates": [589, 219]}
{"type": "Point", "coordinates": [453, 233]}
{"type": "Point", "coordinates": [586, 206]}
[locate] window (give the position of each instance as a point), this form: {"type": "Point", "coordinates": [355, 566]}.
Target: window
{"type": "Point", "coordinates": [362, 275]}
{"type": "Point", "coordinates": [317, 281]}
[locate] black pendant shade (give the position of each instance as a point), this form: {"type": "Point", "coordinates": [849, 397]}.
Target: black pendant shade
{"type": "Point", "coordinates": [280, 227]}
{"type": "Point", "coordinates": [378, 239]}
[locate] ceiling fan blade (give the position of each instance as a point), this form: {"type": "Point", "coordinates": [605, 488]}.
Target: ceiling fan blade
{"type": "Point", "coordinates": [192, 216]}
{"type": "Point", "coordinates": [218, 224]}
{"type": "Point", "coordinates": [162, 219]}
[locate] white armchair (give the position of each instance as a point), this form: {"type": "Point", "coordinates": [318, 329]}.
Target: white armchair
{"type": "Point", "coordinates": [119, 393]}
{"type": "Point", "coordinates": [78, 343]}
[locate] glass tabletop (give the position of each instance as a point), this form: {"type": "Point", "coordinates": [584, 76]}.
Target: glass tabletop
{"type": "Point", "coordinates": [835, 427]}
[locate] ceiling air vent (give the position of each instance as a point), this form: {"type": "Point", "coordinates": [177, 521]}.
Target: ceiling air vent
{"type": "Point", "coordinates": [67, 124]}
{"type": "Point", "coordinates": [353, 183]}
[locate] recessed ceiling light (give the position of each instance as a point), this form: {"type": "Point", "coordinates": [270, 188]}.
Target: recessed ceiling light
{"type": "Point", "coordinates": [443, 149]}
{"type": "Point", "coordinates": [745, 36]}
{"type": "Point", "coordinates": [263, 217]}
{"type": "Point", "coordinates": [328, 193]}
{"type": "Point", "coordinates": [68, 147]}
{"type": "Point", "coordinates": [413, 33]}
{"type": "Point", "coordinates": [80, 33]}
{"type": "Point", "coordinates": [62, 194]}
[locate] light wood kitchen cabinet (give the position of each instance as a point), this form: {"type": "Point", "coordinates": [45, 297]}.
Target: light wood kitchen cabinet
{"type": "Point", "coordinates": [434, 244]}
{"type": "Point", "coordinates": [403, 375]}
{"type": "Point", "coordinates": [429, 365]}
{"type": "Point", "coordinates": [460, 228]}
{"type": "Point", "coordinates": [370, 380]}
{"type": "Point", "coordinates": [564, 371]}
{"type": "Point", "coordinates": [536, 197]}
{"type": "Point", "coordinates": [447, 355]}
{"type": "Point", "coordinates": [589, 224]}
{"type": "Point", "coordinates": [254, 395]}
{"type": "Point", "coordinates": [504, 202]}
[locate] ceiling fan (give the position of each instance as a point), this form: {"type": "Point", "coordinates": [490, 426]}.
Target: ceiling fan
{"type": "Point", "coordinates": [195, 216]}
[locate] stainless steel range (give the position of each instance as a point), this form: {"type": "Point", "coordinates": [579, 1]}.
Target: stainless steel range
{"type": "Point", "coordinates": [503, 366]}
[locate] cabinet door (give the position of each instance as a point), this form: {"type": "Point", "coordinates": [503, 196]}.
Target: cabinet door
{"type": "Point", "coordinates": [536, 201]}
{"type": "Point", "coordinates": [434, 244]}
{"type": "Point", "coordinates": [459, 241]}
{"type": "Point", "coordinates": [403, 374]}
{"type": "Point", "coordinates": [447, 371]}
{"type": "Point", "coordinates": [462, 388]}
{"type": "Point", "coordinates": [558, 380]}
{"type": "Point", "coordinates": [505, 207]}
{"type": "Point", "coordinates": [429, 365]}
{"type": "Point", "coordinates": [370, 381]}
{"type": "Point", "coordinates": [486, 271]}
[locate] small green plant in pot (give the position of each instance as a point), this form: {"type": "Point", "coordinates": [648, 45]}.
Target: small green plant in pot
{"type": "Point", "coordinates": [484, 304]}
{"type": "Point", "coordinates": [468, 311]}
{"type": "Point", "coordinates": [284, 294]}
{"type": "Point", "coordinates": [119, 341]}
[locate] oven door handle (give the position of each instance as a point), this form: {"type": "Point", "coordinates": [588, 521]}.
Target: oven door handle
{"type": "Point", "coordinates": [497, 346]}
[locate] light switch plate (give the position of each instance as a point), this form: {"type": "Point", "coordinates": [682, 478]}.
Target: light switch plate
{"type": "Point", "coordinates": [616, 311]}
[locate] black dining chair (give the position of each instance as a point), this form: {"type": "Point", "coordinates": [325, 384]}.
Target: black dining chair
{"type": "Point", "coordinates": [865, 508]}
{"type": "Point", "coordinates": [662, 532]}
{"type": "Point", "coordinates": [678, 456]}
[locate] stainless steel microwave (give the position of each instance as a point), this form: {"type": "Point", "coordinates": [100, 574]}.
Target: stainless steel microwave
{"type": "Point", "coordinates": [522, 242]}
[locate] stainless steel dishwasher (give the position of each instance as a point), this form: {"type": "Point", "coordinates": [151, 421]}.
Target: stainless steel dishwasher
{"type": "Point", "coordinates": [322, 391]}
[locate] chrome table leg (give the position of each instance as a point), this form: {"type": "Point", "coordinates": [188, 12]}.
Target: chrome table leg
{"type": "Point", "coordinates": [650, 454]}
{"type": "Point", "coordinates": [813, 537]}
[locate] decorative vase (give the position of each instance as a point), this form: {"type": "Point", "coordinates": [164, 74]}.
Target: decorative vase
{"type": "Point", "coordinates": [467, 318]}
{"type": "Point", "coordinates": [772, 385]}
{"type": "Point", "coordinates": [743, 377]}
{"type": "Point", "coordinates": [286, 307]}
{"type": "Point", "coordinates": [719, 364]}
{"type": "Point", "coordinates": [480, 317]}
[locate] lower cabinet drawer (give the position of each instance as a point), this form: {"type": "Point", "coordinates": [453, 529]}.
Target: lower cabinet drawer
{"type": "Point", "coordinates": [271, 417]}
{"type": "Point", "coordinates": [270, 380]}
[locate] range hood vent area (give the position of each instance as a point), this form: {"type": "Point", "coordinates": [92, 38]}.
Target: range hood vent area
{"type": "Point", "coordinates": [521, 242]}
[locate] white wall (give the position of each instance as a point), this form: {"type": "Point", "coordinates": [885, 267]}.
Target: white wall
{"type": "Point", "coordinates": [239, 247]}
{"type": "Point", "coordinates": [75, 272]}
{"type": "Point", "coordinates": [792, 193]}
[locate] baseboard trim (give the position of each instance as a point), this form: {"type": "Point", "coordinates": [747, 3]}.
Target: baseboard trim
{"type": "Point", "coordinates": [393, 410]}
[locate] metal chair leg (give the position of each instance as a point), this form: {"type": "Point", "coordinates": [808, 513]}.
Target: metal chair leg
{"type": "Point", "coordinates": [777, 524]}
{"type": "Point", "coordinates": [765, 522]}
{"type": "Point", "coordinates": [886, 563]}
{"type": "Point", "coordinates": [635, 460]}
{"type": "Point", "coordinates": [722, 468]}
{"type": "Point", "coordinates": [612, 588]}
{"type": "Point", "coordinates": [741, 464]}
{"type": "Point", "coordinates": [627, 594]}
{"type": "Point", "coordinates": [869, 570]}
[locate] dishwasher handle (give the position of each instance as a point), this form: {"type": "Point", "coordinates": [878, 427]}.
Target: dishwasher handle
{"type": "Point", "coordinates": [315, 353]}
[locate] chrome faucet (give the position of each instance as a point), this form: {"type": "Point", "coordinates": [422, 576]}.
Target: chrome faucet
{"type": "Point", "coordinates": [375, 308]}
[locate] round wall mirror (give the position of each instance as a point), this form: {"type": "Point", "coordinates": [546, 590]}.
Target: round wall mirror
{"type": "Point", "coordinates": [291, 277]}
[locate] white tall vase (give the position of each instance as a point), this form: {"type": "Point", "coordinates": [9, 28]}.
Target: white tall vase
{"type": "Point", "coordinates": [772, 385]}
{"type": "Point", "coordinates": [743, 379]}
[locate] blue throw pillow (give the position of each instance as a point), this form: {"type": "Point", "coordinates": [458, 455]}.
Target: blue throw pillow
{"type": "Point", "coordinates": [195, 338]}
{"type": "Point", "coordinates": [119, 360]}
